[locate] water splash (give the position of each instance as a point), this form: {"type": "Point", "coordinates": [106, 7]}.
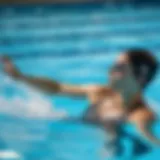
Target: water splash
{"type": "Point", "coordinates": [20, 100]}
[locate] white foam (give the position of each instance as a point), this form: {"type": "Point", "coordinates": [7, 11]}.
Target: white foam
{"type": "Point", "coordinates": [32, 105]}
{"type": "Point", "coordinates": [9, 154]}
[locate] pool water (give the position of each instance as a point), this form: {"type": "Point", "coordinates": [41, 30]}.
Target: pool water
{"type": "Point", "coordinates": [74, 45]}
{"type": "Point", "coordinates": [30, 120]}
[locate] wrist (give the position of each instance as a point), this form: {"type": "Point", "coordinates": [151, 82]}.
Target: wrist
{"type": "Point", "coordinates": [18, 76]}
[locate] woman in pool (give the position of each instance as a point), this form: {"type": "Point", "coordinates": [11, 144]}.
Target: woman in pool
{"type": "Point", "coordinates": [121, 100]}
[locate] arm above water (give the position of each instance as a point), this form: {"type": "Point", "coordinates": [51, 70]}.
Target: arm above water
{"type": "Point", "coordinates": [54, 87]}
{"type": "Point", "coordinates": [45, 84]}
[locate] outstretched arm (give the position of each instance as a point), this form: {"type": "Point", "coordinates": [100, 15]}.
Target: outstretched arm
{"type": "Point", "coordinates": [45, 84]}
{"type": "Point", "coordinates": [144, 118]}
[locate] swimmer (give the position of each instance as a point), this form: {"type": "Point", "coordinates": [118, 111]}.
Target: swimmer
{"type": "Point", "coordinates": [111, 105]}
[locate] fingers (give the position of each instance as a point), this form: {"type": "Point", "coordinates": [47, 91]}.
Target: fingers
{"type": "Point", "coordinates": [8, 67]}
{"type": "Point", "coordinates": [6, 62]}
{"type": "Point", "coordinates": [5, 59]}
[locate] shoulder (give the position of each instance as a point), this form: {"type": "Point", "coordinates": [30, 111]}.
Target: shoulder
{"type": "Point", "coordinates": [97, 88]}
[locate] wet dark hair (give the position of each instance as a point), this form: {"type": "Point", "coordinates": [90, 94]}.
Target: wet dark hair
{"type": "Point", "coordinates": [144, 65]}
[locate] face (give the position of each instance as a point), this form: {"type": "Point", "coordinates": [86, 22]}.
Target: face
{"type": "Point", "coordinates": [122, 78]}
{"type": "Point", "coordinates": [119, 70]}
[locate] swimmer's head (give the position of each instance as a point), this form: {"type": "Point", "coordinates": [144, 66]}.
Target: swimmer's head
{"type": "Point", "coordinates": [141, 62]}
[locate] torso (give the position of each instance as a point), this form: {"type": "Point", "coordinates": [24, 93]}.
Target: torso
{"type": "Point", "coordinates": [107, 103]}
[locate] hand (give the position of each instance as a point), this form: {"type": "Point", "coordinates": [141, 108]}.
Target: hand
{"type": "Point", "coordinates": [9, 67]}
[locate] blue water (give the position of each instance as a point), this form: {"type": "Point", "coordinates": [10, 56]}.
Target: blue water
{"type": "Point", "coordinates": [72, 47]}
